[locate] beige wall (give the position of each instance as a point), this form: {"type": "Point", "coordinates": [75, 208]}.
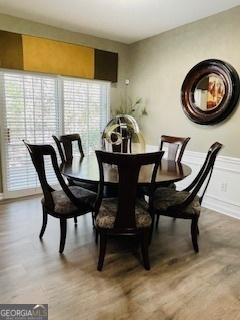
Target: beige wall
{"type": "Point", "coordinates": [9, 23]}
{"type": "Point", "coordinates": [159, 65]}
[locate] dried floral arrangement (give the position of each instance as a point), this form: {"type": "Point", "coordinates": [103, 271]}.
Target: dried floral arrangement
{"type": "Point", "coordinates": [135, 108]}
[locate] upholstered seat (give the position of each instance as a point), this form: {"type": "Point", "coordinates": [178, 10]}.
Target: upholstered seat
{"type": "Point", "coordinates": [63, 205]}
{"type": "Point", "coordinates": [89, 186]}
{"type": "Point", "coordinates": [167, 197]}
{"type": "Point", "coordinates": [108, 211]}
{"type": "Point", "coordinates": [145, 190]}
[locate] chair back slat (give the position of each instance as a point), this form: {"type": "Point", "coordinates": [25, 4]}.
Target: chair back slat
{"type": "Point", "coordinates": [176, 146]}
{"type": "Point", "coordinates": [172, 151]}
{"type": "Point", "coordinates": [129, 166]}
{"type": "Point", "coordinates": [128, 177]}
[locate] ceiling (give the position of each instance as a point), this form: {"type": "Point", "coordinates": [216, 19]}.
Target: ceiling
{"type": "Point", "coordinates": [126, 21]}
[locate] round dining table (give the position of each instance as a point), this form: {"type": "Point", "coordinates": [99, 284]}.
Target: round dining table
{"type": "Point", "coordinates": [85, 169]}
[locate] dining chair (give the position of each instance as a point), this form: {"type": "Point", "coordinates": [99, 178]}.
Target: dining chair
{"type": "Point", "coordinates": [69, 202]}
{"type": "Point", "coordinates": [65, 148]}
{"type": "Point", "coordinates": [126, 214]}
{"type": "Point", "coordinates": [175, 150]}
{"type": "Point", "coordinates": [186, 204]}
{"type": "Point", "coordinates": [65, 145]}
{"type": "Point", "coordinates": [175, 146]}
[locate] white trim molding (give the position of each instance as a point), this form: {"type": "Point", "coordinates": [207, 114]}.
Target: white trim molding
{"type": "Point", "coordinates": [223, 193]}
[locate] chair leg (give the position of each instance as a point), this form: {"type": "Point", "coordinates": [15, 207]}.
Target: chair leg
{"type": "Point", "coordinates": [103, 244]}
{"type": "Point", "coordinates": [157, 220]}
{"type": "Point", "coordinates": [63, 231]}
{"type": "Point", "coordinates": [198, 230]}
{"type": "Point", "coordinates": [75, 220]}
{"type": "Point", "coordinates": [144, 247]}
{"type": "Point", "coordinates": [194, 233]}
{"type": "Point", "coordinates": [151, 229]}
{"type": "Point", "coordinates": [93, 220]}
{"type": "Point", "coordinates": [96, 236]}
{"type": "Point", "coordinates": [44, 223]}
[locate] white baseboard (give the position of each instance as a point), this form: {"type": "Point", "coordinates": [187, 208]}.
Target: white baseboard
{"type": "Point", "coordinates": [219, 205]}
{"type": "Point", "coordinates": [223, 193]}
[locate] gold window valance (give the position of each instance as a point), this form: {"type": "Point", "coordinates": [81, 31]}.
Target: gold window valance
{"type": "Point", "coordinates": [29, 53]}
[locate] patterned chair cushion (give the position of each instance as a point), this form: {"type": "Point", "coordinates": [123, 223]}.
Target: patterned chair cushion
{"type": "Point", "coordinates": [172, 186]}
{"type": "Point", "coordinates": [107, 214]}
{"type": "Point", "coordinates": [145, 190]}
{"type": "Point", "coordinates": [89, 186]}
{"type": "Point", "coordinates": [166, 197]}
{"type": "Point", "coordinates": [63, 205]}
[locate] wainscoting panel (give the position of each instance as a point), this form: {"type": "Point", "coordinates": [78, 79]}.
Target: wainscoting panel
{"type": "Point", "coordinates": [223, 193]}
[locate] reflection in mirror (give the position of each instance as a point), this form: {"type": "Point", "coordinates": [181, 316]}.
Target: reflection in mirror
{"type": "Point", "coordinates": [209, 92]}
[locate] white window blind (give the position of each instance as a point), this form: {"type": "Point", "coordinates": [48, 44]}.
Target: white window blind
{"type": "Point", "coordinates": [31, 113]}
{"type": "Point", "coordinates": [34, 107]}
{"type": "Point", "coordinates": [85, 111]}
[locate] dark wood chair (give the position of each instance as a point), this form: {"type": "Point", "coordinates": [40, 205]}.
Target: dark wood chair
{"type": "Point", "coordinates": [186, 204]}
{"type": "Point", "coordinates": [65, 148]}
{"type": "Point", "coordinates": [176, 146]}
{"type": "Point", "coordinates": [69, 202]}
{"type": "Point", "coordinates": [175, 150]}
{"type": "Point", "coordinates": [66, 141]}
{"type": "Point", "coordinates": [125, 214]}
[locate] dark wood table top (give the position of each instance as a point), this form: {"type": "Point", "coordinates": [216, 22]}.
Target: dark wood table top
{"type": "Point", "coordinates": [86, 169]}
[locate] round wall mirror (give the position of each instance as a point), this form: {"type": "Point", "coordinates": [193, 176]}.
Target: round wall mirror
{"type": "Point", "coordinates": [210, 91]}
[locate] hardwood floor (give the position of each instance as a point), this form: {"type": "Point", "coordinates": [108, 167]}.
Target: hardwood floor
{"type": "Point", "coordinates": [180, 285]}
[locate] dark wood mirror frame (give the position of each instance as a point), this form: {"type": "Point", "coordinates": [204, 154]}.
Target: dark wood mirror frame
{"type": "Point", "coordinates": [231, 82]}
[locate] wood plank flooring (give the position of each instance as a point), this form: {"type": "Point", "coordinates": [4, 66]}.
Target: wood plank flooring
{"type": "Point", "coordinates": [180, 285]}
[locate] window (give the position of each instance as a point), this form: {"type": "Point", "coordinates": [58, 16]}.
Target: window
{"type": "Point", "coordinates": [34, 107]}
{"type": "Point", "coordinates": [85, 111]}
